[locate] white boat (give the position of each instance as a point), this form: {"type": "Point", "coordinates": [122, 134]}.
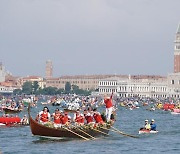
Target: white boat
{"type": "Point", "coordinates": [175, 113]}
{"type": "Point", "coordinates": [144, 131]}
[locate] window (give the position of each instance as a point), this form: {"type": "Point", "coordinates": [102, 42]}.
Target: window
{"type": "Point", "coordinates": [177, 46]}
{"type": "Point", "coordinates": [172, 81]}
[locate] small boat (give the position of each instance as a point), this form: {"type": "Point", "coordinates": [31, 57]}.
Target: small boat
{"type": "Point", "coordinates": [145, 131]}
{"type": "Point", "coordinates": [145, 104]}
{"type": "Point", "coordinates": [46, 131]}
{"type": "Point", "coordinates": [122, 104]}
{"type": "Point", "coordinates": [13, 125]}
{"type": "Point", "coordinates": [151, 109]}
{"type": "Point", "coordinates": [10, 111]}
{"type": "Point", "coordinates": [175, 111]}
{"type": "Point", "coordinates": [44, 103]}
{"type": "Point", "coordinates": [11, 122]}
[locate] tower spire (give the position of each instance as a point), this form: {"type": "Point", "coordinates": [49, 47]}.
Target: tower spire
{"type": "Point", "coordinates": [177, 51]}
{"type": "Point", "coordinates": [178, 29]}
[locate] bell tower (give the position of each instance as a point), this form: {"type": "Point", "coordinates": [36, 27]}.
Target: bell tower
{"type": "Point", "coordinates": [177, 51]}
{"type": "Point", "coordinates": [49, 69]}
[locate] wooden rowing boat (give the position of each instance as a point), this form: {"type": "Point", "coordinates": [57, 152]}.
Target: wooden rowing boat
{"type": "Point", "coordinates": [46, 131]}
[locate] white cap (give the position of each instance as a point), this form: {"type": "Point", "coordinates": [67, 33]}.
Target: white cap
{"type": "Point", "coordinates": [146, 120]}
{"type": "Point", "coordinates": [152, 120]}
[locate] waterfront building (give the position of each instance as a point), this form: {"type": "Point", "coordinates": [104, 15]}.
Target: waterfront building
{"type": "Point", "coordinates": [40, 80]}
{"type": "Point", "coordinates": [6, 89]}
{"type": "Point", "coordinates": [141, 86]}
{"type": "Point", "coordinates": [49, 69]}
{"type": "Point", "coordinates": [111, 84]}
{"type": "Point", "coordinates": [174, 85]}
{"type": "Point", "coordinates": [85, 82]}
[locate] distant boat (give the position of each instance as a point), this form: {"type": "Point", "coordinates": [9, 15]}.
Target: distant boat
{"type": "Point", "coordinates": [10, 111]}
{"type": "Point", "coordinates": [13, 125]}
{"type": "Point", "coordinates": [45, 103]}
{"type": "Point", "coordinates": [175, 111]}
{"type": "Point", "coordinates": [11, 122]}
{"type": "Point", "coordinates": [145, 131]}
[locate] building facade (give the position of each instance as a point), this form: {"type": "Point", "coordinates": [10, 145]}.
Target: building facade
{"type": "Point", "coordinates": [40, 80]}
{"type": "Point", "coordinates": [6, 90]}
{"type": "Point", "coordinates": [141, 86]}
{"type": "Point", "coordinates": [174, 85]}
{"type": "Point", "coordinates": [85, 82]}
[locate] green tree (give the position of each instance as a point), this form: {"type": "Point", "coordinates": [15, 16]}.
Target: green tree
{"type": "Point", "coordinates": [17, 91]}
{"type": "Point", "coordinates": [35, 87]}
{"type": "Point", "coordinates": [27, 88]}
{"type": "Point", "coordinates": [67, 87]}
{"type": "Point", "coordinates": [75, 88]}
{"type": "Point", "coordinates": [60, 91]}
{"type": "Point", "coordinates": [50, 91]}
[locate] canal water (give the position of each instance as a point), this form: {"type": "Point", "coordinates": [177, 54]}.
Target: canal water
{"type": "Point", "coordinates": [167, 140]}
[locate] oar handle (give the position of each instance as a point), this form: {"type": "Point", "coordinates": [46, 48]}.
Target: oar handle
{"type": "Point", "coordinates": [76, 133]}
{"type": "Point", "coordinates": [86, 133]}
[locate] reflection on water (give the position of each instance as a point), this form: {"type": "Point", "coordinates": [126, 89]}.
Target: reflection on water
{"type": "Point", "coordinates": [48, 140]}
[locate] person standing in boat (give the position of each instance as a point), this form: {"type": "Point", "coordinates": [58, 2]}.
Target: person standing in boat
{"type": "Point", "coordinates": [109, 106]}
{"type": "Point", "coordinates": [153, 125]}
{"type": "Point", "coordinates": [44, 116]}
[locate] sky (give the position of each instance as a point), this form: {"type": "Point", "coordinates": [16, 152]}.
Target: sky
{"type": "Point", "coordinates": [84, 37]}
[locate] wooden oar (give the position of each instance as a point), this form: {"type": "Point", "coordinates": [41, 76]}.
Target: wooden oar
{"type": "Point", "coordinates": [86, 133]}
{"type": "Point", "coordinates": [76, 134]}
{"type": "Point", "coordinates": [99, 131]}
{"type": "Point", "coordinates": [122, 133]}
{"type": "Point", "coordinates": [108, 129]}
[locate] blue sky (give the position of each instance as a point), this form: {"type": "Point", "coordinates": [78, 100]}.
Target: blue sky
{"type": "Point", "coordinates": [88, 36]}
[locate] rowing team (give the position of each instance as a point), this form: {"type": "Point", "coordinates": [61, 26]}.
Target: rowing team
{"type": "Point", "coordinates": [62, 118]}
